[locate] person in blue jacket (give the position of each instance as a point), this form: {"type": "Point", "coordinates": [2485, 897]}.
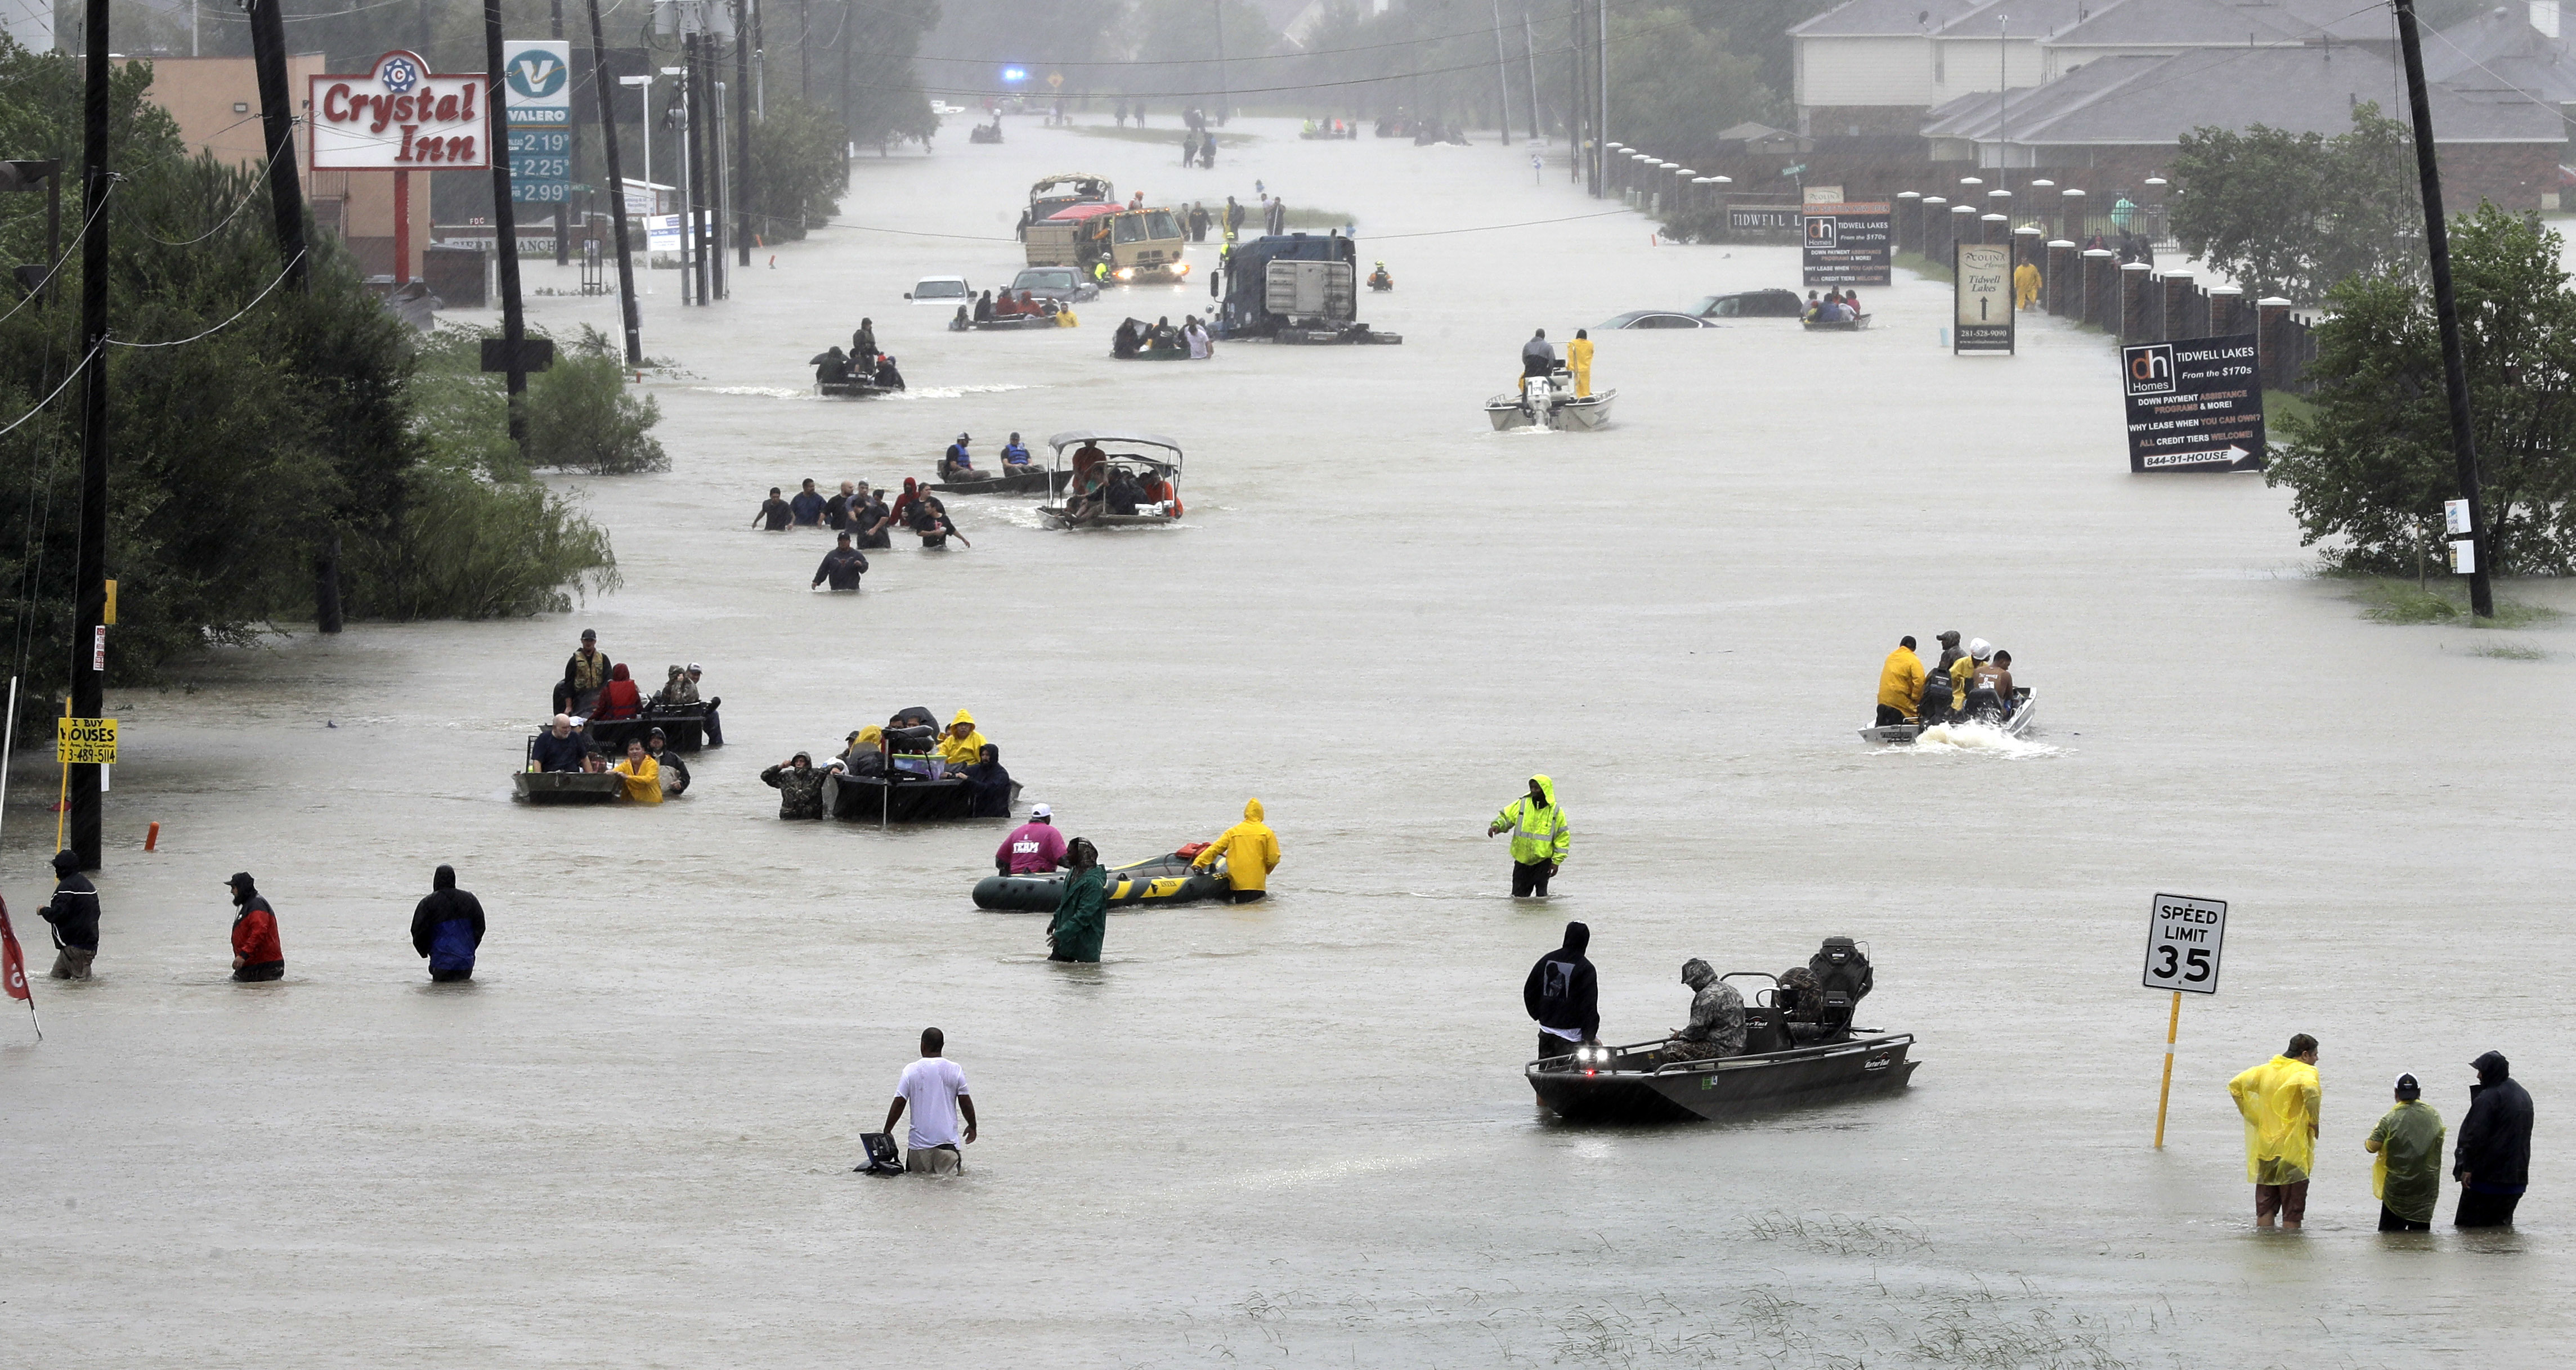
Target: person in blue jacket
{"type": "Point", "coordinates": [447, 927]}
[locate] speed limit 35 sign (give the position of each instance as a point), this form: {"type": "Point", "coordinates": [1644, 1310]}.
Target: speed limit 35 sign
{"type": "Point", "coordinates": [2183, 940]}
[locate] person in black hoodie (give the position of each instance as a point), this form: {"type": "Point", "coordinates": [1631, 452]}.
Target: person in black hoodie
{"type": "Point", "coordinates": [1563, 994]}
{"type": "Point", "coordinates": [447, 927]}
{"type": "Point", "coordinates": [988, 784]}
{"type": "Point", "coordinates": [74, 914]}
{"type": "Point", "coordinates": [2492, 1160]}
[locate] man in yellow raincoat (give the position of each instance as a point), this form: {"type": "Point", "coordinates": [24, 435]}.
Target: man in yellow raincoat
{"type": "Point", "coordinates": [1578, 359]}
{"type": "Point", "coordinates": [2279, 1099]}
{"type": "Point", "coordinates": [1900, 685]}
{"type": "Point", "coordinates": [961, 746]}
{"type": "Point", "coordinates": [2025, 285]}
{"type": "Point", "coordinates": [1251, 852]}
{"type": "Point", "coordinates": [1540, 837]}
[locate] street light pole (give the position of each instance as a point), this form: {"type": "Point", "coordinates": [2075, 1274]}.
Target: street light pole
{"type": "Point", "coordinates": [617, 183]}
{"type": "Point", "coordinates": [2003, 101]}
{"type": "Point", "coordinates": [1502, 73]}
{"type": "Point", "coordinates": [1224, 93]}
{"type": "Point", "coordinates": [2446, 309]}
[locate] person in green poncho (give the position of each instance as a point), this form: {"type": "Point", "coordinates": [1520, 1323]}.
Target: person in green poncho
{"type": "Point", "coordinates": [2407, 1177]}
{"type": "Point", "coordinates": [1082, 909]}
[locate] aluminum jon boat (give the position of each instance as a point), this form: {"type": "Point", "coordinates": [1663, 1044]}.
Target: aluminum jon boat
{"type": "Point", "coordinates": [1837, 325]}
{"type": "Point", "coordinates": [1903, 734]}
{"type": "Point", "coordinates": [1550, 402]}
{"type": "Point", "coordinates": [567, 787]}
{"type": "Point", "coordinates": [1635, 1084]}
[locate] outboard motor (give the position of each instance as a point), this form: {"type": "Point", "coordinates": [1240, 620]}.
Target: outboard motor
{"type": "Point", "coordinates": [1843, 979]}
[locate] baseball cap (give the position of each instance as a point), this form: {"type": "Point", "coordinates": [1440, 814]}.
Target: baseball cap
{"type": "Point", "coordinates": [1041, 811]}
{"type": "Point", "coordinates": [2407, 1088]}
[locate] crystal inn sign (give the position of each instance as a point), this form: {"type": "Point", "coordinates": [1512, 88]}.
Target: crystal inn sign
{"type": "Point", "coordinates": [400, 117]}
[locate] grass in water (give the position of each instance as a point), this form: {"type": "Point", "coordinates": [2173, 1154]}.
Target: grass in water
{"type": "Point", "coordinates": [2510, 651]}
{"type": "Point", "coordinates": [1169, 133]}
{"type": "Point", "coordinates": [2396, 601]}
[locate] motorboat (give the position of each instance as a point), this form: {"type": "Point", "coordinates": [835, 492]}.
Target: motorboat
{"type": "Point", "coordinates": [1550, 402]}
{"type": "Point", "coordinates": [900, 797]}
{"type": "Point", "coordinates": [1165, 879]}
{"type": "Point", "coordinates": [568, 787]}
{"type": "Point", "coordinates": [856, 388]}
{"type": "Point", "coordinates": [2013, 724]}
{"type": "Point", "coordinates": [684, 727]}
{"type": "Point", "coordinates": [1641, 1083]}
{"type": "Point", "coordinates": [1031, 480]}
{"type": "Point", "coordinates": [533, 786]}
{"type": "Point", "coordinates": [907, 784]}
{"type": "Point", "coordinates": [1837, 325]}
{"type": "Point", "coordinates": [1087, 466]}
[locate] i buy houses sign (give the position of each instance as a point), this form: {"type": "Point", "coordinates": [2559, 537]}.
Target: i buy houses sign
{"type": "Point", "coordinates": [400, 117]}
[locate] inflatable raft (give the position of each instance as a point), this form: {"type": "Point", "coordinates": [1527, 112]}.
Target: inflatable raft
{"type": "Point", "coordinates": [1167, 879]}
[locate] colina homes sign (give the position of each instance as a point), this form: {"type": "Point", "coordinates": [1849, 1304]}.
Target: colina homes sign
{"type": "Point", "coordinates": [400, 117]}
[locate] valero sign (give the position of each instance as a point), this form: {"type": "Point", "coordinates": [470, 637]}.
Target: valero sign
{"type": "Point", "coordinates": [400, 117]}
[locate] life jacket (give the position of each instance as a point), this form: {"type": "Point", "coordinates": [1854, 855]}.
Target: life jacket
{"type": "Point", "coordinates": [618, 699]}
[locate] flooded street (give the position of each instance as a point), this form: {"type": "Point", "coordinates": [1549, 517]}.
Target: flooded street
{"type": "Point", "coordinates": [1296, 1132]}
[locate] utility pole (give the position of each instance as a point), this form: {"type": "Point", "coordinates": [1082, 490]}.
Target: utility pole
{"type": "Point", "coordinates": [1529, 54]}
{"type": "Point", "coordinates": [720, 179]}
{"type": "Point", "coordinates": [693, 81]}
{"type": "Point", "coordinates": [89, 576]}
{"type": "Point", "coordinates": [741, 193]}
{"type": "Point", "coordinates": [1601, 93]}
{"type": "Point", "coordinates": [1224, 87]}
{"type": "Point", "coordinates": [505, 224]}
{"type": "Point", "coordinates": [849, 126]}
{"type": "Point", "coordinates": [2446, 308]}
{"type": "Point", "coordinates": [617, 181]}
{"type": "Point", "coordinates": [2003, 101]}
{"type": "Point", "coordinates": [1578, 103]}
{"type": "Point", "coordinates": [563, 210]}
{"type": "Point", "coordinates": [1502, 73]}
{"type": "Point", "coordinates": [286, 198]}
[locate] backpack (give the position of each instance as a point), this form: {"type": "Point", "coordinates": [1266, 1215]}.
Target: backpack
{"type": "Point", "coordinates": [883, 1159]}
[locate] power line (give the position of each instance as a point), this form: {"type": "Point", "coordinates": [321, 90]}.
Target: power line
{"type": "Point", "coordinates": [56, 268]}
{"type": "Point", "coordinates": [76, 374]}
{"type": "Point", "coordinates": [218, 328]}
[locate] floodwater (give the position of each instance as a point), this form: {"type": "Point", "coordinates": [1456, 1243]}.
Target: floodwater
{"type": "Point", "coordinates": [1295, 1133]}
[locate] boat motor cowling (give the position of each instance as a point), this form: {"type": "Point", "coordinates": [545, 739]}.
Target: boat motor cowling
{"type": "Point", "coordinates": [1843, 979]}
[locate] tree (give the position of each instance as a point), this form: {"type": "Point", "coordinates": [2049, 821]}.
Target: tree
{"type": "Point", "coordinates": [2371, 469]}
{"type": "Point", "coordinates": [2292, 213]}
{"type": "Point", "coordinates": [1674, 83]}
{"type": "Point", "coordinates": [799, 168]}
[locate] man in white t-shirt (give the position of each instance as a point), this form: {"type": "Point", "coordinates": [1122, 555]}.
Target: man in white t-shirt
{"type": "Point", "coordinates": [936, 1091]}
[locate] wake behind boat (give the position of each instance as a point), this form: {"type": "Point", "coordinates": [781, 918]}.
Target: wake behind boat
{"type": "Point", "coordinates": [2011, 725]}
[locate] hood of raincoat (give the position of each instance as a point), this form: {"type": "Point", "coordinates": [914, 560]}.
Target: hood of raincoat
{"type": "Point", "coordinates": [1696, 973]}
{"type": "Point", "coordinates": [1546, 788]}
{"type": "Point", "coordinates": [962, 717]}
{"type": "Point", "coordinates": [871, 736]}
{"type": "Point", "coordinates": [1252, 810]}
{"type": "Point", "coordinates": [244, 889]}
{"type": "Point", "coordinates": [445, 879]}
{"type": "Point", "coordinates": [618, 672]}
{"type": "Point", "coordinates": [2492, 1067]}
{"type": "Point", "coordinates": [1577, 937]}
{"type": "Point", "coordinates": [65, 862]}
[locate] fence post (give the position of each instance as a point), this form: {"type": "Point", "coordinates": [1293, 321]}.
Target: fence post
{"type": "Point", "coordinates": [2133, 302]}
{"type": "Point", "coordinates": [2056, 293]}
{"type": "Point", "coordinates": [2226, 302]}
{"type": "Point", "coordinates": [2176, 308]}
{"type": "Point", "coordinates": [2099, 275]}
{"type": "Point", "coordinates": [1993, 229]}
{"type": "Point", "coordinates": [2272, 342]}
{"type": "Point", "coordinates": [2070, 206]}
{"type": "Point", "coordinates": [1936, 212]}
{"type": "Point", "coordinates": [1963, 229]}
{"type": "Point", "coordinates": [1909, 221]}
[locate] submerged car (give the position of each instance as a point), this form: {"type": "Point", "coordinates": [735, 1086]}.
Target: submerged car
{"type": "Point", "coordinates": [1655, 318]}
{"type": "Point", "coordinates": [1061, 284]}
{"type": "Point", "coordinates": [951, 291]}
{"type": "Point", "coordinates": [1752, 304]}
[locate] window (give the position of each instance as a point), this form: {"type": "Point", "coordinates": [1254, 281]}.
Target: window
{"type": "Point", "coordinates": [1730, 309]}
{"type": "Point", "coordinates": [1161, 224]}
{"type": "Point", "coordinates": [939, 290]}
{"type": "Point", "coordinates": [1131, 228]}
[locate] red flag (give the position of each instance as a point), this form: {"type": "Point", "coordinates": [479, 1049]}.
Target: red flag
{"type": "Point", "coordinates": [13, 962]}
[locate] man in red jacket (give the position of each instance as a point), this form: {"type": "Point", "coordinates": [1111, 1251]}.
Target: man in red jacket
{"type": "Point", "coordinates": [257, 955]}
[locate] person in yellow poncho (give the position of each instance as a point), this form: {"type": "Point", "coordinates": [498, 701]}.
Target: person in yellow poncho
{"type": "Point", "coordinates": [2025, 285]}
{"type": "Point", "coordinates": [642, 773]}
{"type": "Point", "coordinates": [2280, 1099]}
{"type": "Point", "coordinates": [1578, 359]}
{"type": "Point", "coordinates": [1251, 853]}
{"type": "Point", "coordinates": [1900, 685]}
{"type": "Point", "coordinates": [961, 746]}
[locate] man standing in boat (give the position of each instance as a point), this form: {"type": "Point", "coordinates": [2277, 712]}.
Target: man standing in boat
{"type": "Point", "coordinates": [1538, 358]}
{"type": "Point", "coordinates": [585, 674]}
{"type": "Point", "coordinates": [1540, 837]}
{"type": "Point", "coordinates": [1564, 995]}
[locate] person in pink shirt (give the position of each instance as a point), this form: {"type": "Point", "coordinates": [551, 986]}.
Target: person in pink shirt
{"type": "Point", "coordinates": [1033, 848]}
